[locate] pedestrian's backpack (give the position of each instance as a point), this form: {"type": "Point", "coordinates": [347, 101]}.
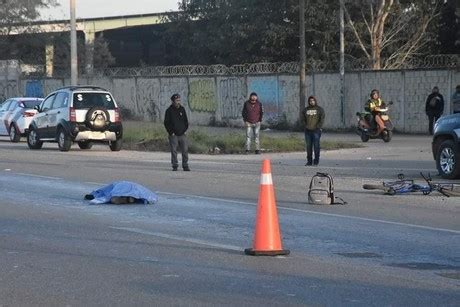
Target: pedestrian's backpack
{"type": "Point", "coordinates": [321, 190]}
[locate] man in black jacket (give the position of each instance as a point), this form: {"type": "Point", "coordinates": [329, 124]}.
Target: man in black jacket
{"type": "Point", "coordinates": [434, 107]}
{"type": "Point", "coordinates": [176, 123]}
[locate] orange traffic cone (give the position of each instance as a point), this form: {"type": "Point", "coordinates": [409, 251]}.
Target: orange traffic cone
{"type": "Point", "coordinates": [267, 239]}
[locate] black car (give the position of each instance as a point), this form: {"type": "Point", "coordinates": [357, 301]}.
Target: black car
{"type": "Point", "coordinates": [446, 146]}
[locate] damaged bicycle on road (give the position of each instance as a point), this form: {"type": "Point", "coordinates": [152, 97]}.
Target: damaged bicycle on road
{"type": "Point", "coordinates": [404, 186]}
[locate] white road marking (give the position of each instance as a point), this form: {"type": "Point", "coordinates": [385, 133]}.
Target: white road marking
{"type": "Point", "coordinates": [374, 220]}
{"type": "Point", "coordinates": [178, 238]}
{"type": "Point", "coordinates": [40, 176]}
{"type": "Point", "coordinates": [163, 161]}
{"type": "Point", "coordinates": [204, 162]}
{"type": "Point", "coordinates": [93, 183]}
{"type": "Point", "coordinates": [288, 209]}
{"type": "Point", "coordinates": [319, 213]}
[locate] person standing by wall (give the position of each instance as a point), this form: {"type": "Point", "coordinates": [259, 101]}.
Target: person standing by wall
{"type": "Point", "coordinates": [434, 107]}
{"type": "Point", "coordinates": [313, 117]}
{"type": "Point", "coordinates": [456, 100]}
{"type": "Point", "coordinates": [176, 124]}
{"type": "Point", "coordinates": [252, 116]}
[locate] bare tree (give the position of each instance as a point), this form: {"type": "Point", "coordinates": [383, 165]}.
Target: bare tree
{"type": "Point", "coordinates": [390, 32]}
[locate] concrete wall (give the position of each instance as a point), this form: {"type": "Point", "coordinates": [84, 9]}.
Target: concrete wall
{"type": "Point", "coordinates": [9, 79]}
{"type": "Point", "coordinates": [220, 98]}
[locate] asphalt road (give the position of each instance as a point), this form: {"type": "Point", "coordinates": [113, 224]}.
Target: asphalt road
{"type": "Point", "coordinates": [378, 250]}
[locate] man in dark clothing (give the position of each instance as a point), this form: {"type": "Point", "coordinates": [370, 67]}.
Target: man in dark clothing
{"type": "Point", "coordinates": [252, 116]}
{"type": "Point", "coordinates": [313, 117]}
{"type": "Point", "coordinates": [456, 100]}
{"type": "Point", "coordinates": [434, 107]}
{"type": "Point", "coordinates": [176, 123]}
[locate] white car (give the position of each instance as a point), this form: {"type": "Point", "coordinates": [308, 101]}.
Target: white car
{"type": "Point", "coordinates": [81, 114]}
{"type": "Point", "coordinates": [16, 115]}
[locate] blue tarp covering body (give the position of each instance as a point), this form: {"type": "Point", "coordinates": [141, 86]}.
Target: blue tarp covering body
{"type": "Point", "coordinates": [123, 189]}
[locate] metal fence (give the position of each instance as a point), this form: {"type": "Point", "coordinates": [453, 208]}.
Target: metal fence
{"type": "Point", "coordinates": [190, 70]}
{"type": "Point", "coordinates": [314, 66]}
{"type": "Point", "coordinates": [433, 61]}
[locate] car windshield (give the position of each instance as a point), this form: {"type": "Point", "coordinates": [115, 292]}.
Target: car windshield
{"type": "Point", "coordinates": [90, 100]}
{"type": "Point", "coordinates": [30, 104]}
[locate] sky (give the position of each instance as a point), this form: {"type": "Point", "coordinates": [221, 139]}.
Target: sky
{"type": "Point", "coordinates": [104, 8]}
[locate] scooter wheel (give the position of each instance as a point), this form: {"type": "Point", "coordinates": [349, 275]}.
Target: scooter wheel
{"type": "Point", "coordinates": [386, 136]}
{"type": "Point", "coordinates": [364, 137]}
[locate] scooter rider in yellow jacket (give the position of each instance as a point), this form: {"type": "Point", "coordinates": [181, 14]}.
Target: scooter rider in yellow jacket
{"type": "Point", "coordinates": [373, 105]}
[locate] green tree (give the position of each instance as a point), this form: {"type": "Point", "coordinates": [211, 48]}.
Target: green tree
{"type": "Point", "coordinates": [248, 31]}
{"type": "Point", "coordinates": [102, 57]}
{"type": "Point", "coordinates": [448, 30]}
{"type": "Point", "coordinates": [232, 32]}
{"type": "Point", "coordinates": [380, 33]}
{"type": "Point", "coordinates": [15, 17]}
{"type": "Point", "coordinates": [322, 33]}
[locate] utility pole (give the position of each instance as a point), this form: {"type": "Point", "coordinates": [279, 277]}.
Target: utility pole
{"type": "Point", "coordinates": [73, 46]}
{"type": "Point", "coordinates": [303, 83]}
{"type": "Point", "coordinates": [342, 63]}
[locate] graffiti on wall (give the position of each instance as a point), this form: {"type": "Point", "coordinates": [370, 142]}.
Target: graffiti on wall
{"type": "Point", "coordinates": [202, 95]}
{"type": "Point", "coordinates": [124, 91]}
{"type": "Point", "coordinates": [148, 99]}
{"type": "Point", "coordinates": [232, 95]}
{"type": "Point", "coordinates": [267, 91]}
{"type": "Point", "coordinates": [289, 97]}
{"type": "Point", "coordinates": [279, 94]}
{"type": "Point", "coordinates": [170, 86]}
{"type": "Point", "coordinates": [8, 89]}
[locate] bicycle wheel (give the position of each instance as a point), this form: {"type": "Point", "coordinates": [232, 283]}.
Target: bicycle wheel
{"type": "Point", "coordinates": [426, 192]}
{"type": "Point", "coordinates": [384, 188]}
{"type": "Point", "coordinates": [390, 191]}
{"type": "Point", "coordinates": [374, 187]}
{"type": "Point", "coordinates": [449, 190]}
{"type": "Point", "coordinates": [421, 188]}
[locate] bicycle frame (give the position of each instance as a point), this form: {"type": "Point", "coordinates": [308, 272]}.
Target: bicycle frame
{"type": "Point", "coordinates": [406, 186]}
